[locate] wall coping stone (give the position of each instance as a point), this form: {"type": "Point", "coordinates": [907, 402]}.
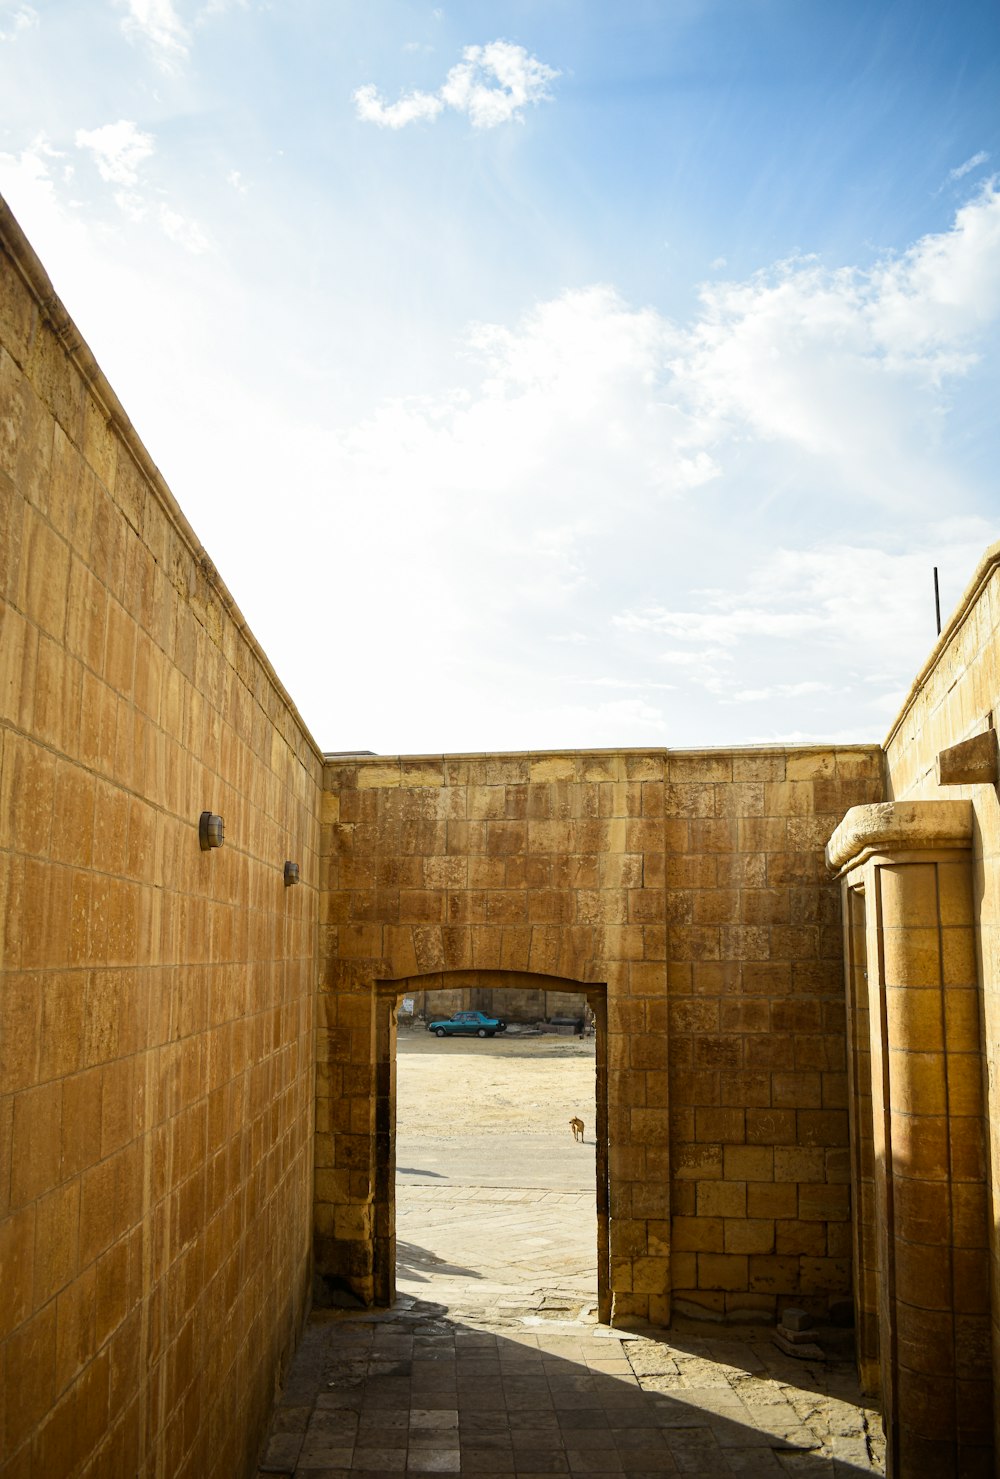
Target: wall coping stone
{"type": "Point", "coordinates": [372, 757]}
{"type": "Point", "coordinates": [895, 826]}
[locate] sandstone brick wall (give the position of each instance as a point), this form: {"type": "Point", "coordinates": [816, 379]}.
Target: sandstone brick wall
{"type": "Point", "coordinates": [551, 865]}
{"type": "Point", "coordinates": [956, 696]}
{"type": "Point", "coordinates": [693, 887]}
{"type": "Point", "coordinates": [156, 1002]}
{"type": "Point", "coordinates": [761, 1176]}
{"type": "Point", "coordinates": [521, 1001]}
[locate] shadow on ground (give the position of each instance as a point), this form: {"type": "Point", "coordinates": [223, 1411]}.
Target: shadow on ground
{"type": "Point", "coordinates": [418, 1390]}
{"type": "Point", "coordinates": [416, 1263]}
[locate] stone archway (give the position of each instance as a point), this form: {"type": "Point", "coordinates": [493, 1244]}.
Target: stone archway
{"type": "Point", "coordinates": [388, 996]}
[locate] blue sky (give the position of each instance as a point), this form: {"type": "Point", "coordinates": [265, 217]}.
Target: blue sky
{"type": "Point", "coordinates": [543, 374]}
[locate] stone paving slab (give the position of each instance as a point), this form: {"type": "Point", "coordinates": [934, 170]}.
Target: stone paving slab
{"type": "Point", "coordinates": [492, 1363]}
{"type": "Point", "coordinates": [424, 1389]}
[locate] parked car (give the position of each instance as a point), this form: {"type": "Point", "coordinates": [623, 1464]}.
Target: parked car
{"type": "Point", "coordinates": [468, 1024]}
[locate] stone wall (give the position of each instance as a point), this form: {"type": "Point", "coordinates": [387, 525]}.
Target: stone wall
{"type": "Point", "coordinates": [521, 1001]}
{"type": "Point", "coordinates": [759, 1127]}
{"type": "Point", "coordinates": [955, 697]}
{"type": "Point", "coordinates": [156, 1001]}
{"type": "Point", "coordinates": [689, 891]}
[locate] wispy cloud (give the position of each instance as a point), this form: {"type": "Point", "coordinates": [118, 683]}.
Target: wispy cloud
{"type": "Point", "coordinates": [16, 17]}
{"type": "Point", "coordinates": [843, 364]}
{"type": "Point", "coordinates": [492, 84]}
{"type": "Point", "coordinates": [777, 690]}
{"type": "Point", "coordinates": [182, 230]}
{"type": "Point", "coordinates": [118, 149]}
{"type": "Point", "coordinates": [156, 24]}
{"type": "Point", "coordinates": [961, 170]}
{"type": "Point", "coordinates": [409, 109]}
{"type": "Point", "coordinates": [495, 83]}
{"type": "Point", "coordinates": [864, 610]}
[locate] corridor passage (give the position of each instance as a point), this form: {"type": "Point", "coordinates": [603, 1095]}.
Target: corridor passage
{"type": "Point", "coordinates": [423, 1389]}
{"type": "Point", "coordinates": [492, 1361]}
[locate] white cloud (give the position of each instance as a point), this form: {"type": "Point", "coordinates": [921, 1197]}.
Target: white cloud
{"type": "Point", "coordinates": [409, 109]}
{"type": "Point", "coordinates": [962, 170]}
{"type": "Point", "coordinates": [777, 690]}
{"type": "Point", "coordinates": [180, 229]}
{"type": "Point", "coordinates": [496, 82]}
{"type": "Point", "coordinates": [626, 683]}
{"type": "Point", "coordinates": [592, 460]}
{"type": "Point", "coordinates": [118, 150]}
{"type": "Point", "coordinates": [846, 365]}
{"type": "Point", "coordinates": [157, 24]}
{"type": "Point", "coordinates": [492, 84]}
{"type": "Point", "coordinates": [726, 627]}
{"type": "Point", "coordinates": [16, 17]}
{"type": "Point", "coordinates": [236, 180]}
{"type": "Point", "coordinates": [863, 611]}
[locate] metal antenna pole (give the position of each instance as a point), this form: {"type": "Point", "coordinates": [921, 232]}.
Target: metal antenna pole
{"type": "Point", "coordinates": [937, 601]}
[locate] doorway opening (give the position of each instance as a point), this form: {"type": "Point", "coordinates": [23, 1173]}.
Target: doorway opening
{"type": "Point", "coordinates": [483, 1188]}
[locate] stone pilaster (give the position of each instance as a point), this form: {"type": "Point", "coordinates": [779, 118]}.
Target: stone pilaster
{"type": "Point", "coordinates": [920, 1222]}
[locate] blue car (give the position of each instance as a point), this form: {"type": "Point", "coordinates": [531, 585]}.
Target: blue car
{"type": "Point", "coordinates": [468, 1024]}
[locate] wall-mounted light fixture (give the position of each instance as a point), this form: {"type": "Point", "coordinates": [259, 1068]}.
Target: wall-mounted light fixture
{"type": "Point", "coordinates": [291, 874]}
{"type": "Point", "coordinates": [211, 831]}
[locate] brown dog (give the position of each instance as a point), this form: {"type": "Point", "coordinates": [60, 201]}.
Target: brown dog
{"type": "Point", "coordinates": [576, 1125]}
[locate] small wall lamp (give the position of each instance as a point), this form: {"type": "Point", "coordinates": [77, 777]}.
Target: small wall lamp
{"type": "Point", "coordinates": [291, 874]}
{"type": "Point", "coordinates": [211, 831]}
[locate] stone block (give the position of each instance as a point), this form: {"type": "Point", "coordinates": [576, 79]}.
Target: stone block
{"type": "Point", "coordinates": [722, 1271]}
{"type": "Point", "coordinates": [749, 1235]}
{"type": "Point", "coordinates": [722, 1198]}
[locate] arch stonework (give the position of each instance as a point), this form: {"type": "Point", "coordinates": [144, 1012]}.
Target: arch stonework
{"type": "Point", "coordinates": [547, 866]}
{"type": "Point", "coordinates": [388, 994]}
{"type": "Point", "coordinates": [691, 888]}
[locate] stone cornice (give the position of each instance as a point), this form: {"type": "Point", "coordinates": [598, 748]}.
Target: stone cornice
{"type": "Point", "coordinates": [899, 826]}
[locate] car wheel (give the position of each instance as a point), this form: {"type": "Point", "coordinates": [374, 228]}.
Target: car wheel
{"type": "Point", "coordinates": [440, 1032]}
{"type": "Point", "coordinates": [482, 1032]}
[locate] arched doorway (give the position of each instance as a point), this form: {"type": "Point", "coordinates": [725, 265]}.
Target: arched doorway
{"type": "Point", "coordinates": [388, 996]}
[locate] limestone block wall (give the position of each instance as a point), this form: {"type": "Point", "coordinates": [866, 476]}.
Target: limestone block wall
{"type": "Point", "coordinates": [520, 1001]}
{"type": "Point", "coordinates": [760, 1193]}
{"type": "Point", "coordinates": [691, 888]}
{"type": "Point", "coordinates": [156, 1001]}
{"type": "Point", "coordinates": [956, 696]}
{"type": "Point", "coordinates": [549, 865]}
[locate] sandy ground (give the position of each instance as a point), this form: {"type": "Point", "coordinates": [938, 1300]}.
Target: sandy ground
{"type": "Point", "coordinates": [495, 1201]}
{"type": "Point", "coordinates": [466, 1087]}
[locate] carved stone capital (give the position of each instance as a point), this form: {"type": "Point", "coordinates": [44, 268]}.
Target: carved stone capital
{"type": "Point", "coordinates": [898, 826]}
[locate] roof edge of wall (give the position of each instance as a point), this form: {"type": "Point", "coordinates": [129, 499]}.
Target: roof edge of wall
{"type": "Point", "coordinates": [984, 570]}
{"type": "Point", "coordinates": [814, 747]}
{"type": "Point", "coordinates": [40, 286]}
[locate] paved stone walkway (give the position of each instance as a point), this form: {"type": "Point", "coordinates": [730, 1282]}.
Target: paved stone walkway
{"type": "Point", "coordinates": [492, 1363]}
{"type": "Point", "coordinates": [422, 1390]}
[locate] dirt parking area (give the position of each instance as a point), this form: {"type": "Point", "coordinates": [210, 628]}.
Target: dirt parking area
{"type": "Point", "coordinates": [495, 1201]}
{"type": "Point", "coordinates": [464, 1086]}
